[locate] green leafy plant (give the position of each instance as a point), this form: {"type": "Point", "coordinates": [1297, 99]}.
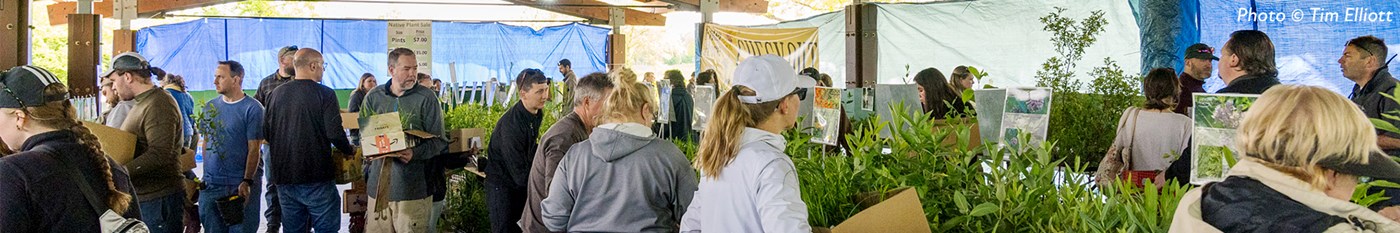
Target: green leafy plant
{"type": "Point", "coordinates": [207, 124]}
{"type": "Point", "coordinates": [465, 209]}
{"type": "Point", "coordinates": [1083, 111]}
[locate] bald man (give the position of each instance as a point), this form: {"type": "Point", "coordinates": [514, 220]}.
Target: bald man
{"type": "Point", "coordinates": [301, 127]}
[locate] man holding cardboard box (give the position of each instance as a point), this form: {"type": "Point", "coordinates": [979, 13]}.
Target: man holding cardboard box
{"type": "Point", "coordinates": [302, 123]}
{"type": "Point", "coordinates": [155, 120]}
{"type": "Point", "coordinates": [409, 202]}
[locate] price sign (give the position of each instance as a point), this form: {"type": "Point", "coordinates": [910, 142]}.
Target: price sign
{"type": "Point", "coordinates": [414, 35]}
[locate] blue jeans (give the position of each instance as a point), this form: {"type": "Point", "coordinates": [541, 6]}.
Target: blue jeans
{"type": "Point", "coordinates": [313, 205]}
{"type": "Point", "coordinates": [165, 214]}
{"type": "Point", "coordinates": [208, 209]}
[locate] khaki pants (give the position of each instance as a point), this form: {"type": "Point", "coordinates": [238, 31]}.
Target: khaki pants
{"type": "Point", "coordinates": [409, 216]}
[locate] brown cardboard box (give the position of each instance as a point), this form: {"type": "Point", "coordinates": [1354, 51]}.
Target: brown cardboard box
{"type": "Point", "coordinates": [384, 134]}
{"type": "Point", "coordinates": [349, 168]}
{"type": "Point", "coordinates": [187, 159]}
{"type": "Point", "coordinates": [118, 144]}
{"type": "Point", "coordinates": [350, 120]}
{"type": "Point", "coordinates": [465, 139]}
{"type": "Point", "coordinates": [355, 201]}
{"type": "Point", "coordinates": [899, 212]}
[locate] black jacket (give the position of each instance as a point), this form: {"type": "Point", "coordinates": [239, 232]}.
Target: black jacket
{"type": "Point", "coordinates": [301, 125]}
{"type": "Point", "coordinates": [1241, 204]}
{"type": "Point", "coordinates": [512, 147]}
{"type": "Point", "coordinates": [1251, 84]}
{"type": "Point", "coordinates": [683, 106]}
{"type": "Point", "coordinates": [37, 195]}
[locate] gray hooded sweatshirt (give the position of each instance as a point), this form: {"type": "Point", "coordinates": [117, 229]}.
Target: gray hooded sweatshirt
{"type": "Point", "coordinates": [622, 179]}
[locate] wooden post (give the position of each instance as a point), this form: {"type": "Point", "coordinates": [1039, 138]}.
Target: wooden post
{"type": "Point", "coordinates": [862, 47]}
{"type": "Point", "coordinates": [123, 41]}
{"type": "Point", "coordinates": [83, 54]}
{"type": "Point", "coordinates": [617, 42]}
{"type": "Point", "coordinates": [14, 33]}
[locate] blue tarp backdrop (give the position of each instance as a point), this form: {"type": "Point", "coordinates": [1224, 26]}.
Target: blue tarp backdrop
{"type": "Point", "coordinates": [352, 47]}
{"type": "Point", "coordinates": [1308, 35]}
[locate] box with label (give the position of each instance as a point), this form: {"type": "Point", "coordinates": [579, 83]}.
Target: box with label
{"type": "Point", "coordinates": [384, 133]}
{"type": "Point", "coordinates": [465, 139]}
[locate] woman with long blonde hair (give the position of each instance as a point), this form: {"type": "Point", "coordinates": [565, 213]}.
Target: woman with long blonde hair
{"type": "Point", "coordinates": [747, 183]}
{"type": "Point", "coordinates": [1303, 149]}
{"type": "Point", "coordinates": [37, 190]}
{"type": "Point", "coordinates": [623, 178]}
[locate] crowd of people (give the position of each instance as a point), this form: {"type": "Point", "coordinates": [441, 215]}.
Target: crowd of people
{"type": "Point", "coordinates": [608, 165]}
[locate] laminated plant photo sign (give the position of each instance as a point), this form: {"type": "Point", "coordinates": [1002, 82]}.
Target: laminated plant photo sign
{"type": "Point", "coordinates": [826, 115]}
{"type": "Point", "coordinates": [1215, 118]}
{"type": "Point", "coordinates": [1027, 111]}
{"type": "Point", "coordinates": [989, 122]}
{"type": "Point", "coordinates": [889, 95]}
{"type": "Point", "coordinates": [704, 97]}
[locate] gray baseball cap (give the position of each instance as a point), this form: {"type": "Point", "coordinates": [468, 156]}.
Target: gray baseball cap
{"type": "Point", "coordinates": [127, 61]}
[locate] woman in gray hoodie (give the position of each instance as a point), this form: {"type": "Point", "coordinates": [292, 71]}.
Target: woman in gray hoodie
{"type": "Point", "coordinates": [623, 178]}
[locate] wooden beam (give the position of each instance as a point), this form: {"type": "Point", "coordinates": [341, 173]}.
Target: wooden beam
{"type": "Point", "coordinates": [742, 6]}
{"type": "Point", "coordinates": [84, 43]}
{"type": "Point", "coordinates": [634, 17]}
{"type": "Point", "coordinates": [14, 33]}
{"type": "Point", "coordinates": [58, 12]}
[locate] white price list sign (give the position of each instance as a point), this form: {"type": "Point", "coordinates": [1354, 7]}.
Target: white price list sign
{"type": "Point", "coordinates": [414, 35]}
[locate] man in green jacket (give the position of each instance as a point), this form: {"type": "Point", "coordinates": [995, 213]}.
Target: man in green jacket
{"type": "Point", "coordinates": [155, 120]}
{"type": "Point", "coordinates": [409, 200]}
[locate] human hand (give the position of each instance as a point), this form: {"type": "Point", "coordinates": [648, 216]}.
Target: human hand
{"type": "Point", "coordinates": [1392, 213]}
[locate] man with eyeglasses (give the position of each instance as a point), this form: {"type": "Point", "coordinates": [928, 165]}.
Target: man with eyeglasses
{"type": "Point", "coordinates": [272, 81]}
{"type": "Point", "coordinates": [1199, 59]}
{"type": "Point", "coordinates": [301, 126]}
{"type": "Point", "coordinates": [511, 151]}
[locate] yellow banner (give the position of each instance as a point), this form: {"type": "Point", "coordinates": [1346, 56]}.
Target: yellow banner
{"type": "Point", "coordinates": [722, 47]}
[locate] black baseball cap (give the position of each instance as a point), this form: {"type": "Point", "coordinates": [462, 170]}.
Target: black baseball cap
{"type": "Point", "coordinates": [127, 61]}
{"type": "Point", "coordinates": [23, 86]}
{"type": "Point", "coordinates": [1377, 166]}
{"type": "Point", "coordinates": [1201, 51]}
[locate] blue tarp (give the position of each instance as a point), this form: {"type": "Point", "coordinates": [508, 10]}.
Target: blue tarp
{"type": "Point", "coordinates": [353, 47]}
{"type": "Point", "coordinates": [1307, 39]}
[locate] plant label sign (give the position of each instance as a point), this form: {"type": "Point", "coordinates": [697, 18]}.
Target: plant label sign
{"type": "Point", "coordinates": [1215, 118]}
{"type": "Point", "coordinates": [663, 113]}
{"type": "Point", "coordinates": [416, 36]}
{"type": "Point", "coordinates": [704, 103]}
{"type": "Point", "coordinates": [1026, 111]}
{"type": "Point", "coordinates": [826, 115]}
{"type": "Point", "coordinates": [989, 122]}
{"type": "Point", "coordinates": [889, 95]}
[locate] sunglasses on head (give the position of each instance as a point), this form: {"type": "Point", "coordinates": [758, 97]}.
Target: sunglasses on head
{"type": "Point", "coordinates": [10, 92]}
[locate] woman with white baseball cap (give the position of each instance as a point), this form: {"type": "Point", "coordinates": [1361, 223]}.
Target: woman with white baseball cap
{"type": "Point", "coordinates": [747, 183]}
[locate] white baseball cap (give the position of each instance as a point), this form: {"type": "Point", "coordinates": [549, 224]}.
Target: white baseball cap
{"type": "Point", "coordinates": [771, 77]}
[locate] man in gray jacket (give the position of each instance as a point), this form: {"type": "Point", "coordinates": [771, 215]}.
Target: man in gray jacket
{"type": "Point", "coordinates": [409, 200]}
{"type": "Point", "coordinates": [589, 95]}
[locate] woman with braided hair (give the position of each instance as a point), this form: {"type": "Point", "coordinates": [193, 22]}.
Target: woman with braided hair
{"type": "Point", "coordinates": [37, 189]}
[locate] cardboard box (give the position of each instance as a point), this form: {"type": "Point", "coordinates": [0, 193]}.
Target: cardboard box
{"type": "Point", "coordinates": [187, 159]}
{"type": "Point", "coordinates": [117, 144]}
{"type": "Point", "coordinates": [463, 140]}
{"type": "Point", "coordinates": [384, 134]}
{"type": "Point", "coordinates": [350, 120]}
{"type": "Point", "coordinates": [898, 211]}
{"type": "Point", "coordinates": [355, 201]}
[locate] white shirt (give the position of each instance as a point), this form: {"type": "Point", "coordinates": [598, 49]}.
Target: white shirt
{"type": "Point", "coordinates": [756, 192]}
